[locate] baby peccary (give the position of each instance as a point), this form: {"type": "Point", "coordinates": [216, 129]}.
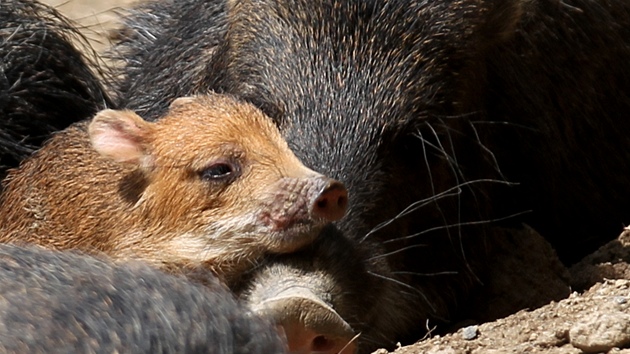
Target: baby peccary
{"type": "Point", "coordinates": [212, 183]}
{"type": "Point", "coordinates": [61, 302]}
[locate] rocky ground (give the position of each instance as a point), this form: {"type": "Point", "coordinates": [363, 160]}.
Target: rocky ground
{"type": "Point", "coordinates": [595, 320]}
{"type": "Point", "coordinates": [591, 311]}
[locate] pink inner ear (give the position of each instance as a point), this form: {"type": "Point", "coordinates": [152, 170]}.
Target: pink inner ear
{"type": "Point", "coordinates": [117, 146]}
{"type": "Point", "coordinates": [118, 135]}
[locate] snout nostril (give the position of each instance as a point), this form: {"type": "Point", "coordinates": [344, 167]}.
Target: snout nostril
{"type": "Point", "coordinates": [332, 201]}
{"type": "Point", "coordinates": [308, 324]}
{"type": "Point", "coordinates": [322, 344]}
{"type": "Point", "coordinates": [342, 201]}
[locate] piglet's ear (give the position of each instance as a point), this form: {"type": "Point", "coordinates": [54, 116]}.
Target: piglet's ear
{"type": "Point", "coordinates": [120, 136]}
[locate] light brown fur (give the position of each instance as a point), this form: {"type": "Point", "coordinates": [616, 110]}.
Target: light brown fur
{"type": "Point", "coordinates": [145, 196]}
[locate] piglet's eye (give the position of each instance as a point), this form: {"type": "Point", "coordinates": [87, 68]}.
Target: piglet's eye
{"type": "Point", "coordinates": [219, 171]}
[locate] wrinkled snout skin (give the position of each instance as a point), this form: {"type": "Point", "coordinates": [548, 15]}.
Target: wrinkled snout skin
{"type": "Point", "coordinates": [296, 209]}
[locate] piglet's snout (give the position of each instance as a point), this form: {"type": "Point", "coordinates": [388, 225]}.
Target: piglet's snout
{"type": "Point", "coordinates": [309, 325]}
{"type": "Point", "coordinates": [314, 200]}
{"type": "Point", "coordinates": [331, 202]}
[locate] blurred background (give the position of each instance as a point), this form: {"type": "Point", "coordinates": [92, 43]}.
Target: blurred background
{"type": "Point", "coordinates": [94, 17]}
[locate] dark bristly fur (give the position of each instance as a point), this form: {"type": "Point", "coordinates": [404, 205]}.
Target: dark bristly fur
{"type": "Point", "coordinates": [55, 302]}
{"type": "Point", "coordinates": [46, 83]}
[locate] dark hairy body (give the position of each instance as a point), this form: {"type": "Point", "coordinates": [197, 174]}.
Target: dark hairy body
{"type": "Point", "coordinates": [47, 80]}
{"type": "Point", "coordinates": [442, 118]}
{"type": "Point", "coordinates": [439, 116]}
{"type": "Point", "coordinates": [64, 302]}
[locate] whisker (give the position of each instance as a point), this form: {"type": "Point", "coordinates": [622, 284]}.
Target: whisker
{"type": "Point", "coordinates": [453, 191]}
{"type": "Point", "coordinates": [430, 173]}
{"type": "Point", "coordinates": [350, 342]}
{"type": "Point", "coordinates": [485, 122]}
{"type": "Point", "coordinates": [430, 330]}
{"type": "Point", "coordinates": [457, 116]}
{"type": "Point", "coordinates": [395, 252]}
{"type": "Point", "coordinates": [450, 162]}
{"type": "Point", "coordinates": [495, 162]}
{"type": "Point", "coordinates": [457, 173]}
{"type": "Point", "coordinates": [398, 282]}
{"type": "Point", "coordinates": [512, 124]}
{"type": "Point", "coordinates": [467, 223]}
{"type": "Point", "coordinates": [411, 208]}
{"type": "Point", "coordinates": [446, 272]}
{"type": "Point", "coordinates": [425, 142]}
{"type": "Point", "coordinates": [452, 159]}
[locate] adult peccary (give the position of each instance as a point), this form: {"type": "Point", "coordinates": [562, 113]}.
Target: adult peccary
{"type": "Point", "coordinates": [63, 302]}
{"type": "Point", "coordinates": [423, 109]}
{"type": "Point", "coordinates": [46, 83]}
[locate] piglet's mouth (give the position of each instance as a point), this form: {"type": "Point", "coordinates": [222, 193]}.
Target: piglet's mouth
{"type": "Point", "coordinates": [290, 234]}
{"type": "Point", "coordinates": [293, 217]}
{"type": "Point", "coordinates": [292, 225]}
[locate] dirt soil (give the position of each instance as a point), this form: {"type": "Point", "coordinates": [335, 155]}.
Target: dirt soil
{"type": "Point", "coordinates": [595, 320]}
{"type": "Point", "coordinates": [585, 309]}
